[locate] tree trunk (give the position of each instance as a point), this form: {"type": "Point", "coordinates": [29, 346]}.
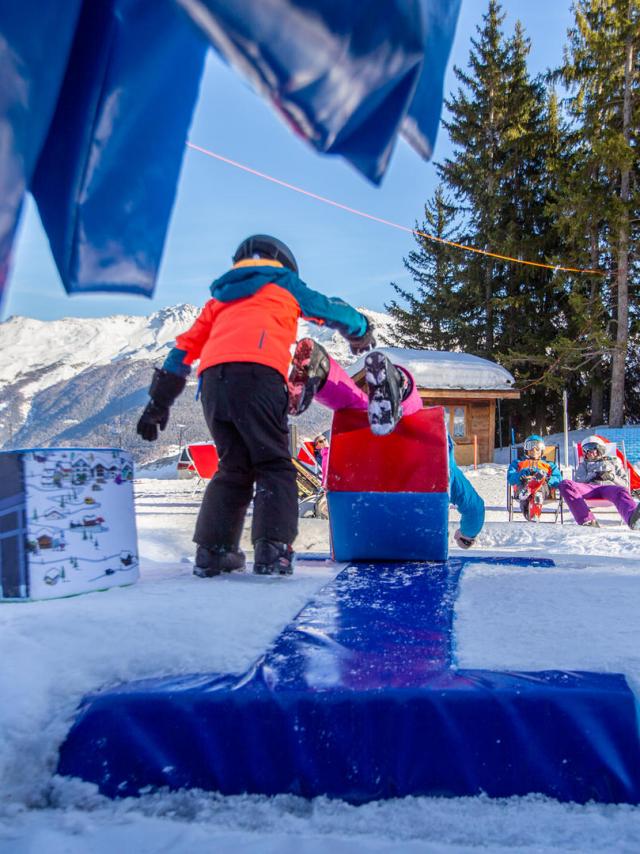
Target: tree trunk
{"type": "Point", "coordinates": [540, 414]}
{"type": "Point", "coordinates": [619, 356]}
{"type": "Point", "coordinates": [597, 379]}
{"type": "Point", "coordinates": [597, 400]}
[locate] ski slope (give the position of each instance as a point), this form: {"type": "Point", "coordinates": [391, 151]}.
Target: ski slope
{"type": "Point", "coordinates": [583, 614]}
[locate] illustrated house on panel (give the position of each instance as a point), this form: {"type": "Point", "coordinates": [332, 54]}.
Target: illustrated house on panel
{"type": "Point", "coordinates": [81, 471]}
{"type": "Point", "coordinates": [466, 386]}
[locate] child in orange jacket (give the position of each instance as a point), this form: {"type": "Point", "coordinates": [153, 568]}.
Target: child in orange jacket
{"type": "Point", "coordinates": [242, 340]}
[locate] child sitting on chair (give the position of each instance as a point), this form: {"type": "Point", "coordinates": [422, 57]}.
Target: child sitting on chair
{"type": "Point", "coordinates": [534, 476]}
{"type": "Point", "coordinates": [599, 476]}
{"type": "Point", "coordinates": [391, 394]}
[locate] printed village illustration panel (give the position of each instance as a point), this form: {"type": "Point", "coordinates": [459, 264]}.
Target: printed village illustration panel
{"type": "Point", "coordinates": [80, 522]}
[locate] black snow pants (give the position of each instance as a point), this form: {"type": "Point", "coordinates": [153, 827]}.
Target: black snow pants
{"type": "Point", "coordinates": [245, 407]}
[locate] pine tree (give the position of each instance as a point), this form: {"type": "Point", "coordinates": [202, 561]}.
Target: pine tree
{"type": "Point", "coordinates": [436, 315]}
{"type": "Point", "coordinates": [473, 174]}
{"type": "Point", "coordinates": [561, 327]}
{"type": "Point", "coordinates": [496, 199]}
{"type": "Point", "coordinates": [602, 70]}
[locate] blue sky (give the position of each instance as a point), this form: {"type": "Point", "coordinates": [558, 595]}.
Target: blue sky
{"type": "Point", "coordinates": [217, 205]}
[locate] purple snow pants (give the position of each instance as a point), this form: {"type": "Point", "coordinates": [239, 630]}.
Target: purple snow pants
{"type": "Point", "coordinates": [574, 494]}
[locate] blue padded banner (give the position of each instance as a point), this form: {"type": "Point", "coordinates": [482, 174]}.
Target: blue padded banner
{"type": "Point", "coordinates": [97, 96]}
{"type": "Point", "coordinates": [348, 77]}
{"type": "Point", "coordinates": [36, 37]}
{"type": "Point", "coordinates": [389, 525]}
{"type": "Point", "coordinates": [357, 699]}
{"type": "Point", "coordinates": [106, 178]}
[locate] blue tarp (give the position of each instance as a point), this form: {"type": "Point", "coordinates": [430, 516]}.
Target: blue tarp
{"type": "Point", "coordinates": [31, 32]}
{"type": "Point", "coordinates": [359, 699]}
{"type": "Point", "coordinates": [107, 175]}
{"type": "Point", "coordinates": [97, 97]}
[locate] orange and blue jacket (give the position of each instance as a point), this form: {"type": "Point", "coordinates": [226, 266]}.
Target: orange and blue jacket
{"type": "Point", "coordinates": [253, 317]}
{"type": "Point", "coordinates": [518, 468]}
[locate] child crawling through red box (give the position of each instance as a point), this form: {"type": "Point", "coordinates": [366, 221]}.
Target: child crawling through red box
{"type": "Point", "coordinates": [391, 394]}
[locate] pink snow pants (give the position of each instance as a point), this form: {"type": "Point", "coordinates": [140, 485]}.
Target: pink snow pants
{"type": "Point", "coordinates": [340, 392]}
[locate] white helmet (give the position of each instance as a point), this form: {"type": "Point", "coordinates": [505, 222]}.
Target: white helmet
{"type": "Point", "coordinates": [594, 443]}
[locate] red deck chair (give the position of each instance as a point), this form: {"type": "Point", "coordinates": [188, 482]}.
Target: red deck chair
{"type": "Point", "coordinates": [306, 454]}
{"type": "Point", "coordinates": [205, 461]}
{"type": "Point", "coordinates": [632, 473]}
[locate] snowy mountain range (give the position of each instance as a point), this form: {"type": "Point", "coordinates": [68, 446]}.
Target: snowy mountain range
{"type": "Point", "coordinates": [83, 381]}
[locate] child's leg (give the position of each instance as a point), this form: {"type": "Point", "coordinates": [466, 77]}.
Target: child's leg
{"type": "Point", "coordinates": [574, 494]}
{"type": "Point", "coordinates": [411, 400]}
{"type": "Point", "coordinates": [339, 390]}
{"type": "Point", "coordinates": [315, 375]}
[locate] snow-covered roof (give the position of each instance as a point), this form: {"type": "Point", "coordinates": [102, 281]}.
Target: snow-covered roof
{"type": "Point", "coordinates": [443, 370]}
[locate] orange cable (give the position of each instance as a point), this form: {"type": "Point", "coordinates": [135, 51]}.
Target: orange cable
{"type": "Point", "coordinates": [415, 231]}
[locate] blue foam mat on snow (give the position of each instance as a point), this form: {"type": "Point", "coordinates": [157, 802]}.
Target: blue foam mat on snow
{"type": "Point", "coordinates": [357, 699]}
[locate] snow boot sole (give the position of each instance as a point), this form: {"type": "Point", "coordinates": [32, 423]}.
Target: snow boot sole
{"type": "Point", "coordinates": [309, 370]}
{"type": "Point", "coordinates": [384, 385]}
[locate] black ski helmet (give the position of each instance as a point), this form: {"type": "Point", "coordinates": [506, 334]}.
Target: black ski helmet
{"type": "Point", "coordinates": [265, 246]}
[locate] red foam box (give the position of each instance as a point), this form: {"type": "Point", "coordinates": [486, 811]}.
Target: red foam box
{"type": "Point", "coordinates": [414, 458]}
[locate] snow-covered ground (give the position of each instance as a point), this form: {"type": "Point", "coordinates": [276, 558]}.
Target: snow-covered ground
{"type": "Point", "coordinates": [585, 613]}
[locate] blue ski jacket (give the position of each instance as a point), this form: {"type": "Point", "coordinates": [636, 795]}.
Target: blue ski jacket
{"type": "Point", "coordinates": [530, 468]}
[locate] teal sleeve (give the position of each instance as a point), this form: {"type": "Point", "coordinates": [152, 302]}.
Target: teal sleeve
{"type": "Point", "coordinates": [336, 313]}
{"type": "Point", "coordinates": [555, 476]}
{"type": "Point", "coordinates": [174, 363]}
{"type": "Point", "coordinates": [513, 474]}
{"type": "Point", "coordinates": [466, 500]}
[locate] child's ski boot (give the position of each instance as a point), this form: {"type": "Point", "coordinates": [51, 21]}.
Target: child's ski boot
{"type": "Point", "coordinates": [386, 385]}
{"type": "Point", "coordinates": [272, 558]}
{"type": "Point", "coordinates": [309, 370]}
{"type": "Point", "coordinates": [214, 561]}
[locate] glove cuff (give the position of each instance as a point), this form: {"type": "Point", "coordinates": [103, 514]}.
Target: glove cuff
{"type": "Point", "coordinates": [165, 387]}
{"type": "Point", "coordinates": [361, 343]}
{"type": "Point", "coordinates": [367, 331]}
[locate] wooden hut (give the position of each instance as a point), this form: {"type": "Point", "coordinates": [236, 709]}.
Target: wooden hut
{"type": "Point", "coordinates": [468, 388]}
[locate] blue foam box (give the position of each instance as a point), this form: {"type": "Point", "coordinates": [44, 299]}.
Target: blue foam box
{"type": "Point", "coordinates": [388, 496]}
